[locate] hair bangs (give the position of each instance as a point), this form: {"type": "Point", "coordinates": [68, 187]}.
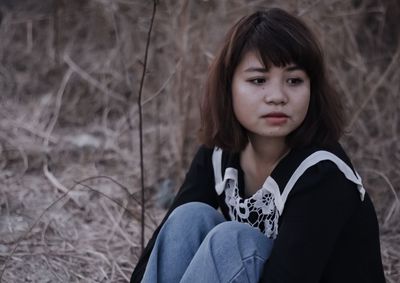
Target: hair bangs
{"type": "Point", "coordinates": [277, 45]}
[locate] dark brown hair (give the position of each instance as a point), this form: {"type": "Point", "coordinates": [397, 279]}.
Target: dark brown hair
{"type": "Point", "coordinates": [280, 39]}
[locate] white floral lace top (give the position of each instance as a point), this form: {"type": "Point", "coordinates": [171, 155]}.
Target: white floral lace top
{"type": "Point", "coordinates": [262, 210]}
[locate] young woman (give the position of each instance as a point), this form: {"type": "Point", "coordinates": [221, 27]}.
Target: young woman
{"type": "Point", "coordinates": [293, 208]}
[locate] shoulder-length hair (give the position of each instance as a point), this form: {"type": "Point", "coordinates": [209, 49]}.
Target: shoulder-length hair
{"type": "Point", "coordinates": [280, 39]}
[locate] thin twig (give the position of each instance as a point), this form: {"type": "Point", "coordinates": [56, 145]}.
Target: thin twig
{"type": "Point", "coordinates": [159, 91]}
{"type": "Point", "coordinates": [30, 128]}
{"type": "Point", "coordinates": [87, 77]}
{"type": "Point", "coordinates": [139, 103]}
{"type": "Point", "coordinates": [396, 202]}
{"type": "Point", "coordinates": [393, 64]}
{"type": "Point", "coordinates": [65, 194]}
{"type": "Point", "coordinates": [8, 257]}
{"type": "Point", "coordinates": [59, 96]}
{"type": "Point", "coordinates": [53, 180]}
{"type": "Point", "coordinates": [107, 197]}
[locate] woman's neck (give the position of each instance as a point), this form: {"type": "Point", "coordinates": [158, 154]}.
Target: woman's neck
{"type": "Point", "coordinates": [259, 159]}
{"type": "Point", "coordinates": [264, 153]}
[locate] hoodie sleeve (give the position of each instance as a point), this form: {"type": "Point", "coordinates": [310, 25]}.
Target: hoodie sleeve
{"type": "Point", "coordinates": [315, 214]}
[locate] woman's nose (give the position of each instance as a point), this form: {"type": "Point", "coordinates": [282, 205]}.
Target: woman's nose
{"type": "Point", "coordinates": [275, 94]}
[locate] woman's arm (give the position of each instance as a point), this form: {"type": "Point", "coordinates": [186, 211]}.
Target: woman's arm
{"type": "Point", "coordinates": [197, 186]}
{"type": "Point", "coordinates": [315, 214]}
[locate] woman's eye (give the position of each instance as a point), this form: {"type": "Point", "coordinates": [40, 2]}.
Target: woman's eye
{"type": "Point", "coordinates": [295, 81]}
{"type": "Point", "coordinates": [258, 81]}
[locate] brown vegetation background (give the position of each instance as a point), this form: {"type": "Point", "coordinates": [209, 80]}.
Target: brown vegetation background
{"type": "Point", "coordinates": [69, 139]}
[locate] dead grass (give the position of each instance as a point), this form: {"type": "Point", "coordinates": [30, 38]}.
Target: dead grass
{"type": "Point", "coordinates": [69, 159]}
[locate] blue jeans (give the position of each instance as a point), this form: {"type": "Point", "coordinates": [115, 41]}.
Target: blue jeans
{"type": "Point", "coordinates": [196, 244]}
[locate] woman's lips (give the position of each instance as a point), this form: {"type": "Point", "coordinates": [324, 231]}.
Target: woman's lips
{"type": "Point", "coordinates": [276, 118]}
{"type": "Point", "coordinates": [276, 114]}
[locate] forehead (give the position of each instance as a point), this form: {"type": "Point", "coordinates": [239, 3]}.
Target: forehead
{"type": "Point", "coordinates": [252, 60]}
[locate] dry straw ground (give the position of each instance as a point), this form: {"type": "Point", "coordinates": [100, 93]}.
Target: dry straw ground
{"type": "Point", "coordinates": [69, 147]}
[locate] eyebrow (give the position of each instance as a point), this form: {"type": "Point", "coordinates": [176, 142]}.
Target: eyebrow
{"type": "Point", "coordinates": [294, 68]}
{"type": "Point", "coordinates": [291, 68]}
{"type": "Point", "coordinates": [256, 69]}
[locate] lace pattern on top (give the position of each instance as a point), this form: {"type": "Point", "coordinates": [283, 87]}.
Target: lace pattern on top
{"type": "Point", "coordinates": [262, 210]}
{"type": "Point", "coordinates": [259, 211]}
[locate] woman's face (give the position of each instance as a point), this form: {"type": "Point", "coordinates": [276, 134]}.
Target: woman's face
{"type": "Point", "coordinates": [269, 103]}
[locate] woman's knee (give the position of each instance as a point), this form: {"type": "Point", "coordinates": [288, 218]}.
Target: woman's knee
{"type": "Point", "coordinates": [241, 237]}
{"type": "Point", "coordinates": [194, 212]}
{"type": "Point", "coordinates": [231, 230]}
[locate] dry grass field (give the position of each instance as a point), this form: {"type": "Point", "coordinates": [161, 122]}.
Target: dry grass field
{"type": "Point", "coordinates": [70, 72]}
